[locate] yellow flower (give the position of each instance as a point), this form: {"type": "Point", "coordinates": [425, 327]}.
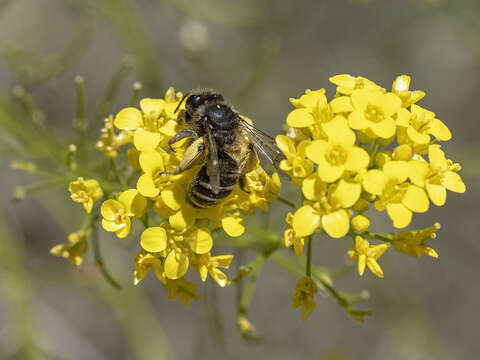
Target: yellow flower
{"type": "Point", "coordinates": [185, 290]}
{"type": "Point", "coordinates": [144, 262]}
{"type": "Point", "coordinates": [416, 128]}
{"type": "Point", "coordinates": [328, 210]}
{"type": "Point", "coordinates": [304, 296]}
{"type": "Point", "coordinates": [438, 176]}
{"type": "Point", "coordinates": [413, 242]}
{"type": "Point", "coordinates": [290, 238]}
{"type": "Point", "coordinates": [313, 111]}
{"type": "Point", "coordinates": [207, 264]}
{"type": "Point", "coordinates": [401, 87]}
{"type": "Point", "coordinates": [347, 84]}
{"type": "Point", "coordinates": [154, 124]}
{"type": "Point", "coordinates": [117, 213]}
{"type": "Point", "coordinates": [367, 255]}
{"type": "Point", "coordinates": [296, 164]}
{"type": "Point", "coordinates": [74, 250]}
{"type": "Point", "coordinates": [86, 192]}
{"type": "Point", "coordinates": [109, 141]}
{"type": "Point", "coordinates": [373, 112]}
{"type": "Point", "coordinates": [339, 153]}
{"type": "Point", "coordinates": [397, 196]}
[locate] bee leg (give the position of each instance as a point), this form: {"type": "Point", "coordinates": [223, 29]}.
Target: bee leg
{"type": "Point", "coordinates": [242, 182]}
{"type": "Point", "coordinates": [194, 155]}
{"type": "Point", "coordinates": [182, 135]}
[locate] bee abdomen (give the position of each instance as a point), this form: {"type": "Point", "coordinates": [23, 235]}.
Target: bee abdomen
{"type": "Point", "coordinates": [201, 194]}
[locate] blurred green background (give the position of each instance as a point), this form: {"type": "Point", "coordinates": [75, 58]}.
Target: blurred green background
{"type": "Point", "coordinates": [258, 54]}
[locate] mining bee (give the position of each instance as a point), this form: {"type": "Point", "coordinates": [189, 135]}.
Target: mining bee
{"type": "Point", "coordinates": [220, 140]}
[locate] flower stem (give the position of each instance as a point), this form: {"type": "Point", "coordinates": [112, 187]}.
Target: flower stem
{"type": "Point", "coordinates": [308, 270]}
{"type": "Point", "coordinates": [287, 202]}
{"type": "Point", "coordinates": [99, 259]}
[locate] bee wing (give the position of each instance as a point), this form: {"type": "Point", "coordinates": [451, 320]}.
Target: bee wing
{"type": "Point", "coordinates": [213, 169]}
{"type": "Point", "coordinates": [264, 144]}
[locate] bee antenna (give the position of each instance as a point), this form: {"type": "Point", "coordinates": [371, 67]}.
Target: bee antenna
{"type": "Point", "coordinates": [181, 101]}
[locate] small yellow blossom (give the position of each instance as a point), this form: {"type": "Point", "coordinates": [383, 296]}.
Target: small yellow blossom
{"type": "Point", "coordinates": [290, 238]}
{"type": "Point", "coordinates": [347, 84]}
{"type": "Point", "coordinates": [207, 264]}
{"type": "Point", "coordinates": [373, 112]}
{"type": "Point", "coordinates": [339, 153]}
{"type": "Point", "coordinates": [109, 141]}
{"type": "Point", "coordinates": [296, 164]}
{"type": "Point", "coordinates": [367, 255]}
{"type": "Point", "coordinates": [144, 262]}
{"type": "Point", "coordinates": [413, 242]}
{"type": "Point", "coordinates": [74, 250]}
{"type": "Point", "coordinates": [397, 196]}
{"type": "Point", "coordinates": [153, 125]}
{"type": "Point", "coordinates": [182, 288]}
{"type": "Point", "coordinates": [117, 213]}
{"type": "Point", "coordinates": [401, 87]}
{"type": "Point", "coordinates": [437, 176]}
{"type": "Point", "coordinates": [304, 296]}
{"type": "Point", "coordinates": [85, 192]}
{"type": "Point", "coordinates": [360, 223]}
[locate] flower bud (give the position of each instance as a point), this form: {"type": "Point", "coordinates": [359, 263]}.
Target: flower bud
{"type": "Point", "coordinates": [360, 223]}
{"type": "Point", "coordinates": [403, 152]}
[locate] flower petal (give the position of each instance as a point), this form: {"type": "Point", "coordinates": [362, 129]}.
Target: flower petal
{"type": "Point", "coordinates": [233, 225]}
{"type": "Point", "coordinates": [176, 265]}
{"type": "Point", "coordinates": [374, 182]}
{"type": "Point", "coordinates": [453, 182]}
{"type": "Point", "coordinates": [416, 199]}
{"type": "Point", "coordinates": [400, 215]}
{"type": "Point", "coordinates": [305, 221]}
{"type": "Point", "coordinates": [437, 193]}
{"type": "Point", "coordinates": [336, 224]}
{"type": "Point", "coordinates": [146, 186]}
{"type": "Point", "coordinates": [154, 239]}
{"type": "Point", "coordinates": [347, 193]}
{"type": "Point", "coordinates": [110, 209]}
{"type": "Point", "coordinates": [200, 241]}
{"type": "Point", "coordinates": [300, 118]}
{"type": "Point", "coordinates": [146, 140]}
{"type": "Point", "coordinates": [357, 159]}
{"type": "Point", "coordinates": [129, 119]}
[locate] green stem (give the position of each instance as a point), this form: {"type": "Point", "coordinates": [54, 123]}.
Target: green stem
{"type": "Point", "coordinates": [287, 202]}
{"type": "Point", "coordinates": [309, 257]}
{"type": "Point", "coordinates": [383, 237]}
{"type": "Point", "coordinates": [119, 177]}
{"type": "Point", "coordinates": [99, 259]}
{"type": "Point", "coordinates": [80, 122]}
{"type": "Point", "coordinates": [137, 87]}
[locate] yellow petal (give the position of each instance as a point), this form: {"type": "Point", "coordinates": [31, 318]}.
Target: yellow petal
{"type": "Point", "coordinates": [305, 221]}
{"type": "Point", "coordinates": [133, 201]}
{"type": "Point", "coordinates": [174, 197]}
{"type": "Point", "coordinates": [396, 171]}
{"type": "Point", "coordinates": [182, 219]}
{"type": "Point", "coordinates": [453, 182]}
{"type": "Point", "coordinates": [151, 161]}
{"type": "Point", "coordinates": [357, 120]}
{"type": "Point", "coordinates": [312, 187]}
{"type": "Point", "coordinates": [316, 150]}
{"type": "Point", "coordinates": [219, 277]}
{"type": "Point", "coordinates": [146, 140]}
{"type": "Point", "coordinates": [437, 193]}
{"type": "Point", "coordinates": [146, 186]}
{"type": "Point", "coordinates": [112, 225]}
{"type": "Point", "coordinates": [416, 199]}
{"type": "Point", "coordinates": [437, 158]}
{"type": "Point", "coordinates": [417, 137]}
{"type": "Point", "coordinates": [125, 230]}
{"type": "Point", "coordinates": [233, 226]}
{"type": "Point", "coordinates": [300, 118]}
{"type": "Point", "coordinates": [154, 239]}
{"type": "Point", "coordinates": [389, 103]}
{"type": "Point", "coordinates": [328, 172]}
{"type": "Point", "coordinates": [201, 241]}
{"type": "Point", "coordinates": [374, 182]}
{"type": "Point", "coordinates": [110, 209]}
{"type": "Point", "coordinates": [384, 129]}
{"type": "Point", "coordinates": [347, 193]}
{"type": "Point", "coordinates": [362, 261]}
{"type": "Point", "coordinates": [418, 172]}
{"type": "Point", "coordinates": [401, 83]}
{"type": "Point", "coordinates": [357, 159]}
{"type": "Point", "coordinates": [400, 215]}
{"type": "Point", "coordinates": [152, 106]}
{"type": "Point", "coordinates": [128, 119]}
{"type": "Point", "coordinates": [440, 130]}
{"type": "Point", "coordinates": [176, 265]}
{"type": "Point", "coordinates": [336, 224]}
{"type": "Point", "coordinates": [170, 128]}
{"type": "Point", "coordinates": [313, 98]}
{"type": "Point", "coordinates": [403, 117]}
{"type": "Point", "coordinates": [374, 267]}
{"type": "Point", "coordinates": [341, 104]}
{"type": "Point", "coordinates": [285, 144]}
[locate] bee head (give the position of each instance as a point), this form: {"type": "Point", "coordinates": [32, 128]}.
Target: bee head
{"type": "Point", "coordinates": [195, 100]}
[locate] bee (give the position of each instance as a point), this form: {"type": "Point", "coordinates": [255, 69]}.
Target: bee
{"type": "Point", "coordinates": [222, 142]}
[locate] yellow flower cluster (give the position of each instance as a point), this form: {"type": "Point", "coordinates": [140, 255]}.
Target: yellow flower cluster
{"type": "Point", "coordinates": [74, 250]}
{"type": "Point", "coordinates": [365, 146]}
{"type": "Point", "coordinates": [178, 236]}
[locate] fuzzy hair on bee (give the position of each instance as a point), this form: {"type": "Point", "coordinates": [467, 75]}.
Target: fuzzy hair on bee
{"type": "Point", "coordinates": [220, 140]}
